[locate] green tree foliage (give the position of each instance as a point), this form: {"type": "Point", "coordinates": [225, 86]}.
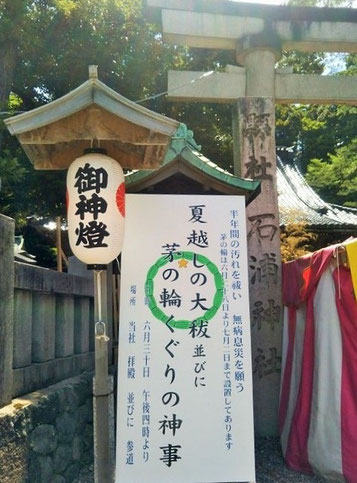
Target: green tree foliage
{"type": "Point", "coordinates": [351, 64]}
{"type": "Point", "coordinates": [52, 43]}
{"type": "Point", "coordinates": [315, 130]}
{"type": "Point", "coordinates": [40, 242]}
{"type": "Point", "coordinates": [325, 141]}
{"type": "Point", "coordinates": [336, 178]}
{"type": "Point", "coordinates": [303, 63]}
{"type": "Point", "coordinates": [210, 122]}
{"type": "Point", "coordinates": [47, 45]}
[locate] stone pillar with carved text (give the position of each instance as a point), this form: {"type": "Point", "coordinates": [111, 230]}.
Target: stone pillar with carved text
{"type": "Point", "coordinates": [255, 136]}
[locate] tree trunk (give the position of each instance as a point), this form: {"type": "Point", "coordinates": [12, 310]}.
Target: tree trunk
{"type": "Point", "coordinates": [8, 55]}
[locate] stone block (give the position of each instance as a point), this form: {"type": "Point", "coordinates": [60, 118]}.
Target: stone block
{"type": "Point", "coordinates": [22, 328]}
{"type": "Point", "coordinates": [81, 324]}
{"type": "Point", "coordinates": [15, 423]}
{"type": "Point", "coordinates": [62, 458]}
{"type": "Point", "coordinates": [89, 404]}
{"type": "Point", "coordinates": [6, 307]}
{"type": "Point", "coordinates": [14, 462]}
{"type": "Point", "coordinates": [72, 472]}
{"type": "Point", "coordinates": [43, 280]}
{"type": "Point", "coordinates": [88, 457]}
{"type": "Point", "coordinates": [36, 376]}
{"type": "Point", "coordinates": [64, 325]}
{"type": "Point", "coordinates": [40, 469]}
{"type": "Point", "coordinates": [22, 422]}
{"type": "Point", "coordinates": [91, 326]}
{"type": "Point", "coordinates": [68, 399]}
{"type": "Point", "coordinates": [46, 410]}
{"type": "Point", "coordinates": [89, 410]}
{"type": "Point", "coordinates": [88, 437]}
{"type": "Point", "coordinates": [77, 448]}
{"type": "Point", "coordinates": [76, 267]}
{"type": "Point", "coordinates": [7, 430]}
{"type": "Point", "coordinates": [34, 450]}
{"type": "Point", "coordinates": [43, 327]}
{"type": "Point", "coordinates": [43, 439]}
{"type": "Point", "coordinates": [82, 418]}
{"type": "Point", "coordinates": [88, 445]}
{"type": "Point", "coordinates": [58, 479]}
{"type": "Point", "coordinates": [83, 388]}
{"type": "Point", "coordinates": [66, 427]}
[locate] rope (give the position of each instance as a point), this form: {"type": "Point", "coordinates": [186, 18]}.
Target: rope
{"type": "Point", "coordinates": [338, 272]}
{"type": "Point", "coordinates": [155, 96]}
{"type": "Point", "coordinates": [99, 294]}
{"type": "Point", "coordinates": [100, 327]}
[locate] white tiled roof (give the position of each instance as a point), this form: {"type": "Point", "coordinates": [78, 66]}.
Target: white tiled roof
{"type": "Point", "coordinates": [298, 201]}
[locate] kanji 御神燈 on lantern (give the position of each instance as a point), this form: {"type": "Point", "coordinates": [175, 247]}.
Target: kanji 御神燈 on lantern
{"type": "Point", "coordinates": [95, 208]}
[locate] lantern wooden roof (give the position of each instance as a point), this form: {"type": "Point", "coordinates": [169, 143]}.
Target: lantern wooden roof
{"type": "Point", "coordinates": [186, 170]}
{"type": "Point", "coordinates": [55, 134]}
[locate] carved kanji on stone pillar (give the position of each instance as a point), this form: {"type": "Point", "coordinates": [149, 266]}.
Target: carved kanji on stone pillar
{"type": "Point", "coordinates": [256, 139]}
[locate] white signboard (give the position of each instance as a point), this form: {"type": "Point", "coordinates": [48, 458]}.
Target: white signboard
{"type": "Point", "coordinates": [185, 384]}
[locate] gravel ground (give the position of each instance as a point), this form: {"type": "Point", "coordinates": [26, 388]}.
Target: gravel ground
{"type": "Point", "coordinates": [270, 467]}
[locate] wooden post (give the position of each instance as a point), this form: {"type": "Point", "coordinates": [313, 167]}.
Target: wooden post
{"type": "Point", "coordinates": [59, 243]}
{"type": "Point", "coordinates": [108, 302]}
{"type": "Point", "coordinates": [116, 306]}
{"type": "Point", "coordinates": [103, 398]}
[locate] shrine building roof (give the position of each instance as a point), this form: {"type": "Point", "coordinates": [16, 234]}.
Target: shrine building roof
{"type": "Point", "coordinates": [299, 202]}
{"type": "Point", "coordinates": [56, 133]}
{"type": "Point", "coordinates": [186, 170]}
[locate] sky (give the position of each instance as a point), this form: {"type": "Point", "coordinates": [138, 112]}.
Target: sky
{"type": "Point", "coordinates": [272, 2]}
{"type": "Point", "coordinates": [278, 2]}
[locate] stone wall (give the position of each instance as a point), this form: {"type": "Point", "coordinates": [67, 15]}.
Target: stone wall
{"type": "Point", "coordinates": [6, 307]}
{"type": "Point", "coordinates": [47, 436]}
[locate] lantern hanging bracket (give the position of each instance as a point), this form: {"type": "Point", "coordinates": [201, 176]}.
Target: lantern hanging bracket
{"type": "Point", "coordinates": [101, 331]}
{"type": "Point", "coordinates": [96, 267]}
{"type": "Point", "coordinates": [97, 150]}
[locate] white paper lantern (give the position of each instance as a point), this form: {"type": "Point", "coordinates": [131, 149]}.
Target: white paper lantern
{"type": "Point", "coordinates": [95, 208]}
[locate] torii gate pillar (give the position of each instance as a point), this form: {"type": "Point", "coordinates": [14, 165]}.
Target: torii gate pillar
{"type": "Point", "coordinates": [254, 146]}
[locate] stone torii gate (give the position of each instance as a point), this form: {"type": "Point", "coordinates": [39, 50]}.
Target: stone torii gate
{"type": "Point", "coordinates": [258, 34]}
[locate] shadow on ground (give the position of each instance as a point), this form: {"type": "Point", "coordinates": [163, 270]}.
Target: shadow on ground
{"type": "Point", "coordinates": [270, 466]}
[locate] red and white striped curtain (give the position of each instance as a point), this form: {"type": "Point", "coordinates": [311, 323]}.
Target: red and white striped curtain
{"type": "Point", "coordinates": [318, 400]}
